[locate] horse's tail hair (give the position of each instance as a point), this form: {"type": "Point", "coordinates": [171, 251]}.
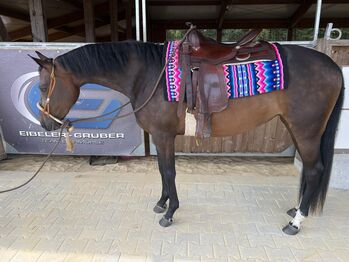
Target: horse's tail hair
{"type": "Point", "coordinates": [327, 151]}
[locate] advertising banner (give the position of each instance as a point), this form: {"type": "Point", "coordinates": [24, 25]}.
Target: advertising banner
{"type": "Point", "coordinates": [22, 132]}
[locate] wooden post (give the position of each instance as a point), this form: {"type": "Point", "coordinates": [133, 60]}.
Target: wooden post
{"type": "Point", "coordinates": [129, 29]}
{"type": "Point", "coordinates": [114, 26]}
{"type": "Point", "coordinates": [290, 34]}
{"type": "Point", "coordinates": [219, 35]}
{"type": "Point", "coordinates": [89, 21]}
{"type": "Point", "coordinates": [3, 32]}
{"type": "Point", "coordinates": [38, 20]}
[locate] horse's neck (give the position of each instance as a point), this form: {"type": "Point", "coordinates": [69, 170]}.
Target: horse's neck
{"type": "Point", "coordinates": [115, 81]}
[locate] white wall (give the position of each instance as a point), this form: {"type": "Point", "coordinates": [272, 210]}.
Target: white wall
{"type": "Point", "coordinates": [342, 139]}
{"type": "Point", "coordinates": [340, 170]}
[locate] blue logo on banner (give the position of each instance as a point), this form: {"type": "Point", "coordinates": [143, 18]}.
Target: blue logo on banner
{"type": "Point", "coordinates": [83, 106]}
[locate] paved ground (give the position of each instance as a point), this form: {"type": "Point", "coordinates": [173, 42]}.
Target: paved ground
{"type": "Point", "coordinates": [231, 209]}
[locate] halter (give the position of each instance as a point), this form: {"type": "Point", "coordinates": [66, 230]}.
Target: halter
{"type": "Point", "coordinates": [46, 108]}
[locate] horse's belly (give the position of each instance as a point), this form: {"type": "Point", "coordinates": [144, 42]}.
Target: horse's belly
{"type": "Point", "coordinates": [244, 114]}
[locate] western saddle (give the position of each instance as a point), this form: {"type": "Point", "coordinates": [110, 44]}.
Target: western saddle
{"type": "Point", "coordinates": [203, 85]}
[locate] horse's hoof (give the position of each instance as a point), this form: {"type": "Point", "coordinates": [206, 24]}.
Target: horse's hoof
{"type": "Point", "coordinates": [164, 222]}
{"type": "Point", "coordinates": [290, 230]}
{"type": "Point", "coordinates": [292, 212]}
{"type": "Point", "coordinates": [158, 209]}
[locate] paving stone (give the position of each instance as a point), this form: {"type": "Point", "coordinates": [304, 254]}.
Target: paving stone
{"type": "Point", "coordinates": [50, 245]}
{"type": "Point", "coordinates": [214, 259]}
{"type": "Point", "coordinates": [76, 245]}
{"type": "Point", "coordinates": [188, 237]}
{"type": "Point", "coordinates": [306, 254]}
{"type": "Point", "coordinates": [333, 244]}
{"type": "Point", "coordinates": [269, 229]}
{"type": "Point", "coordinates": [72, 257]}
{"type": "Point", "coordinates": [239, 239]}
{"type": "Point", "coordinates": [132, 258]}
{"type": "Point", "coordinates": [68, 232]}
{"type": "Point", "coordinates": [27, 256]}
{"type": "Point", "coordinates": [279, 254]}
{"type": "Point", "coordinates": [6, 242]}
{"type": "Point", "coordinates": [123, 247]}
{"type": "Point", "coordinates": [52, 257]}
{"type": "Point", "coordinates": [24, 244]}
{"type": "Point", "coordinates": [249, 228]}
{"type": "Point", "coordinates": [212, 238]}
{"type": "Point", "coordinates": [98, 247]}
{"type": "Point", "coordinates": [314, 243]}
{"type": "Point", "coordinates": [327, 255]}
{"type": "Point", "coordinates": [105, 258]}
{"type": "Point", "coordinates": [162, 235]}
{"type": "Point", "coordinates": [92, 234]}
{"type": "Point", "coordinates": [149, 247]}
{"type": "Point", "coordinates": [180, 249]}
{"type": "Point", "coordinates": [253, 253]}
{"type": "Point", "coordinates": [7, 254]}
{"type": "Point", "coordinates": [263, 240]}
{"type": "Point", "coordinates": [225, 252]}
{"type": "Point", "coordinates": [153, 258]}
{"type": "Point", "coordinates": [201, 250]}
{"type": "Point", "coordinates": [287, 241]}
{"type": "Point", "coordinates": [115, 234]}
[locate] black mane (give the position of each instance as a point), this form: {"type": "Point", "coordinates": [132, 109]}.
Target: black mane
{"type": "Point", "coordinates": [102, 58]}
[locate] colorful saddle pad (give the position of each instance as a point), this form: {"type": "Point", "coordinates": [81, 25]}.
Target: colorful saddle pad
{"type": "Point", "coordinates": [242, 80]}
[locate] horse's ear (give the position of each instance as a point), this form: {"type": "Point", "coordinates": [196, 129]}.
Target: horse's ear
{"type": "Point", "coordinates": [42, 62]}
{"type": "Point", "coordinates": [41, 56]}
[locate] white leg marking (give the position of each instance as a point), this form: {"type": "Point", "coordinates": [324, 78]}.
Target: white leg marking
{"type": "Point", "coordinates": [298, 219]}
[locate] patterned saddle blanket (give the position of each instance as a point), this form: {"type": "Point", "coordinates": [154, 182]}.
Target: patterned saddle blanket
{"type": "Point", "coordinates": [242, 80]}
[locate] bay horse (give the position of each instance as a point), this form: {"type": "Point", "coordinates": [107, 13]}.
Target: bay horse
{"type": "Point", "coordinates": [310, 108]}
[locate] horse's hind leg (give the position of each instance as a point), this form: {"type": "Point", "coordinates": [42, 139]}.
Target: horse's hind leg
{"type": "Point", "coordinates": [165, 148]}
{"type": "Point", "coordinates": [309, 150]}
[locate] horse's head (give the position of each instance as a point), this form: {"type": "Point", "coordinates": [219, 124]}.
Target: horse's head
{"type": "Point", "coordinates": [59, 91]}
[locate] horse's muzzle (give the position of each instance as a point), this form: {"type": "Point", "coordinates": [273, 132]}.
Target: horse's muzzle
{"type": "Point", "coordinates": [49, 124]}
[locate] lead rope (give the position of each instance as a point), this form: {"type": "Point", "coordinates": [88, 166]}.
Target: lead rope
{"type": "Point", "coordinates": [65, 124]}
{"type": "Point", "coordinates": [68, 124]}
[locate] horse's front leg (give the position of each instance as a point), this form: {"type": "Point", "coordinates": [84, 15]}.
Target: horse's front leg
{"type": "Point", "coordinates": [161, 206]}
{"type": "Point", "coordinates": [165, 148]}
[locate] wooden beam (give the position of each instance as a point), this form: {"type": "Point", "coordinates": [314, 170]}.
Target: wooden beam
{"type": "Point", "coordinates": [76, 3]}
{"type": "Point", "coordinates": [236, 23]}
{"type": "Point", "coordinates": [80, 29]}
{"type": "Point", "coordinates": [114, 20]}
{"type": "Point", "coordinates": [38, 21]}
{"type": "Point", "coordinates": [13, 13]}
{"type": "Point", "coordinates": [250, 23]}
{"type": "Point", "coordinates": [3, 32]}
{"type": "Point", "coordinates": [89, 21]}
{"type": "Point", "coordinates": [59, 21]}
{"type": "Point", "coordinates": [51, 23]}
{"type": "Point", "coordinates": [300, 12]}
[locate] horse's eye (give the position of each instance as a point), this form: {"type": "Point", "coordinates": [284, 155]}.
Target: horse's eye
{"type": "Point", "coordinates": [43, 89]}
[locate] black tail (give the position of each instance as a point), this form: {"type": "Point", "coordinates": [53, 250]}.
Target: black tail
{"type": "Point", "coordinates": [327, 151]}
